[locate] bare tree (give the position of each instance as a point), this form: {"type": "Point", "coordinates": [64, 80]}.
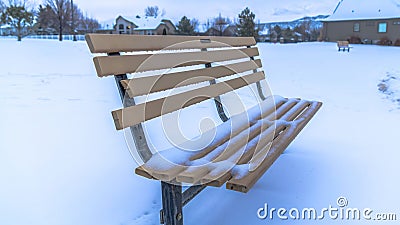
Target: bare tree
{"type": "Point", "coordinates": [220, 23]}
{"type": "Point", "coordinates": [152, 11]}
{"type": "Point", "coordinates": [61, 9]}
{"type": "Point", "coordinates": [195, 23]}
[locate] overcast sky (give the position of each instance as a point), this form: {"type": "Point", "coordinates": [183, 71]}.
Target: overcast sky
{"type": "Point", "coordinates": [265, 10]}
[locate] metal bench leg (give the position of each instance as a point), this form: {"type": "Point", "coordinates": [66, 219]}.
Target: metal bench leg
{"type": "Point", "coordinates": [172, 204]}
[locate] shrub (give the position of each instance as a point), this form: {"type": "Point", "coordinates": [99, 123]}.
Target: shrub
{"type": "Point", "coordinates": [385, 41]}
{"type": "Point", "coordinates": [354, 40]}
{"type": "Point", "coordinates": [397, 42]}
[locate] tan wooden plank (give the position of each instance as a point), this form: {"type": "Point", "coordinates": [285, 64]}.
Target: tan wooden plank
{"type": "Point", "coordinates": [282, 110]}
{"type": "Point", "coordinates": [218, 179]}
{"type": "Point", "coordinates": [142, 172]}
{"type": "Point", "coordinates": [279, 145]}
{"type": "Point", "coordinates": [267, 111]}
{"type": "Point", "coordinates": [105, 43]}
{"type": "Point", "coordinates": [114, 65]}
{"type": "Point", "coordinates": [136, 114]}
{"type": "Point", "coordinates": [296, 110]}
{"type": "Point", "coordinates": [146, 85]}
{"type": "Point", "coordinates": [230, 150]}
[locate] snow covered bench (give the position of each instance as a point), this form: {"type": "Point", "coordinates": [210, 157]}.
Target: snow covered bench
{"type": "Point", "coordinates": [238, 151]}
{"type": "Point", "coordinates": [343, 45]}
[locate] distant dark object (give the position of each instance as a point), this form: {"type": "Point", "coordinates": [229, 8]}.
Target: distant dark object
{"type": "Point", "coordinates": [354, 40]}
{"type": "Point", "coordinates": [385, 41]}
{"type": "Point", "coordinates": [397, 42]}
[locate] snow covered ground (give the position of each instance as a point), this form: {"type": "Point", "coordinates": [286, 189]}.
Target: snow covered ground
{"type": "Point", "coordinates": [63, 163]}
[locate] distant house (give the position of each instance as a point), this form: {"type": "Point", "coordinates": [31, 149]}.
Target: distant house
{"type": "Point", "coordinates": [6, 30]}
{"type": "Point", "coordinates": [143, 26]}
{"type": "Point", "coordinates": [368, 21]}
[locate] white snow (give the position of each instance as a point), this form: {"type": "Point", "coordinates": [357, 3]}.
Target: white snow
{"type": "Point", "coordinates": [63, 162]}
{"type": "Point", "coordinates": [362, 10]}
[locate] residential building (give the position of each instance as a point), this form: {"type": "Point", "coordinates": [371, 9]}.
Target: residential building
{"type": "Point", "coordinates": [143, 26]}
{"type": "Point", "coordinates": [368, 21]}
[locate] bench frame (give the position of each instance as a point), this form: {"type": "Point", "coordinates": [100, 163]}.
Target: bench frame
{"type": "Point", "coordinates": [173, 196]}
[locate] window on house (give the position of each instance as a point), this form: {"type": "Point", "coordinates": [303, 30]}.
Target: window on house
{"type": "Point", "coordinates": [356, 27]}
{"type": "Point", "coordinates": [382, 27]}
{"type": "Point", "coordinates": [121, 27]}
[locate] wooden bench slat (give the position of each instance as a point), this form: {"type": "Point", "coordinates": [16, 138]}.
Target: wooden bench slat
{"type": "Point", "coordinates": [279, 145]}
{"type": "Point", "coordinates": [217, 177]}
{"type": "Point", "coordinates": [103, 43]}
{"type": "Point", "coordinates": [151, 84]}
{"type": "Point", "coordinates": [114, 65]}
{"type": "Point", "coordinates": [269, 110]}
{"type": "Point", "coordinates": [146, 111]}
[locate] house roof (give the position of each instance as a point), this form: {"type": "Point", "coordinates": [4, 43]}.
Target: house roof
{"type": "Point", "coordinates": [145, 23]}
{"type": "Point", "coordinates": [365, 10]}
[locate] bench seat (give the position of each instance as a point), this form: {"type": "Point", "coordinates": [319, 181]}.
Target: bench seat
{"type": "Point", "coordinates": [238, 159]}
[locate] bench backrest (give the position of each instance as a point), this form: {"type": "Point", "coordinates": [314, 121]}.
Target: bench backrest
{"type": "Point", "coordinates": [194, 55]}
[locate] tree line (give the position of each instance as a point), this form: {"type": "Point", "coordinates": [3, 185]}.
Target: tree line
{"type": "Point", "coordinates": [65, 17]}
{"type": "Point", "coordinates": [245, 25]}
{"type": "Point", "coordinates": [52, 17]}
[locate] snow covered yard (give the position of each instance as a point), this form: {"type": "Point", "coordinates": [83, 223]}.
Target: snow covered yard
{"type": "Point", "coordinates": [63, 163]}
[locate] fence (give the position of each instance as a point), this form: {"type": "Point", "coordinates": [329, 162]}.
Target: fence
{"type": "Point", "coordinates": [48, 37]}
{"type": "Point", "coordinates": [55, 37]}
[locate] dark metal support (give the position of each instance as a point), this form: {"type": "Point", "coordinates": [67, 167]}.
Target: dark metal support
{"type": "Point", "coordinates": [217, 101]}
{"type": "Point", "coordinates": [172, 204]}
{"type": "Point", "coordinates": [136, 130]}
{"type": "Point", "coordinates": [259, 87]}
{"type": "Point", "coordinates": [191, 192]}
{"type": "Point", "coordinates": [260, 92]}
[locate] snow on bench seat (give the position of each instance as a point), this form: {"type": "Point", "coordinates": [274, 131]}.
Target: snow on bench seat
{"type": "Point", "coordinates": [244, 147]}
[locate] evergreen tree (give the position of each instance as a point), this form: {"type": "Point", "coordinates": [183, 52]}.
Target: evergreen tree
{"type": "Point", "coordinates": [185, 26]}
{"type": "Point", "coordinates": [46, 20]}
{"type": "Point", "coordinates": [18, 17]}
{"type": "Point", "coordinates": [246, 25]}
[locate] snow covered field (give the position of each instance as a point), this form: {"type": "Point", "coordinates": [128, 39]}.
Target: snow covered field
{"type": "Point", "coordinates": [63, 163]}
